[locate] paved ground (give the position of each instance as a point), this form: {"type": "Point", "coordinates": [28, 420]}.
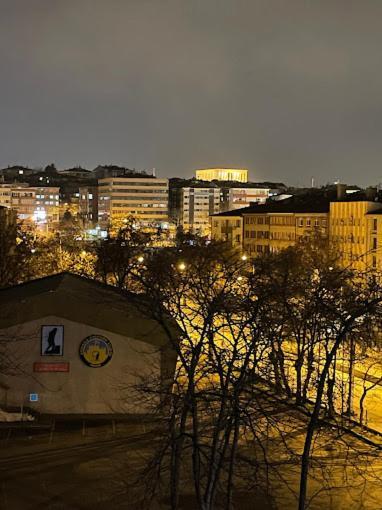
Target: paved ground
{"type": "Point", "coordinates": [97, 471]}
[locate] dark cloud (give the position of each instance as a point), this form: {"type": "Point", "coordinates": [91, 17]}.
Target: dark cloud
{"type": "Point", "coordinates": [290, 89]}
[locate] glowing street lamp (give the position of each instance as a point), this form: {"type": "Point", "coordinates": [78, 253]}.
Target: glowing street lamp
{"type": "Point", "coordinates": [182, 266]}
{"type": "Point", "coordinates": [140, 259]}
{"type": "Point", "coordinates": [244, 257]}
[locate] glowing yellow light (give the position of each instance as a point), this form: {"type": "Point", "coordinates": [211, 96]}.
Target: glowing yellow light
{"type": "Point", "coordinates": [182, 266]}
{"type": "Point", "coordinates": [244, 257]}
{"type": "Point", "coordinates": [239, 278]}
{"type": "Point", "coordinates": [83, 253]}
{"type": "Point", "coordinates": [141, 259]}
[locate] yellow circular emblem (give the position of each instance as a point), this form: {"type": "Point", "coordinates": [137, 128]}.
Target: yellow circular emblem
{"type": "Point", "coordinates": [96, 351]}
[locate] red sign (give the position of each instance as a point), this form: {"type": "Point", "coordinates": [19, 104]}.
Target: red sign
{"type": "Point", "coordinates": [51, 367]}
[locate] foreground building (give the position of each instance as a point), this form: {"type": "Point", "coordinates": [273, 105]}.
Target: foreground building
{"type": "Point", "coordinates": [75, 346]}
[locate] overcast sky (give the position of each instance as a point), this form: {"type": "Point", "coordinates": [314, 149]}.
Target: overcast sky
{"type": "Point", "coordinates": [289, 89]}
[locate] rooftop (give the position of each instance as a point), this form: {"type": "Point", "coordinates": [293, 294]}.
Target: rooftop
{"type": "Point", "coordinates": [81, 300]}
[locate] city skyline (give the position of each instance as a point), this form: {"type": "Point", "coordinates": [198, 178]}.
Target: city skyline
{"type": "Point", "coordinates": [290, 91]}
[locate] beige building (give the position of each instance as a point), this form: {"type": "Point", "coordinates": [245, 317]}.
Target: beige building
{"type": "Point", "coordinates": [270, 227]}
{"type": "Point", "coordinates": [39, 205]}
{"type": "Point", "coordinates": [228, 228]}
{"type": "Point", "coordinates": [74, 346]}
{"type": "Point", "coordinates": [197, 204]}
{"type": "Point", "coordinates": [236, 198]}
{"type": "Point", "coordinates": [222, 174]}
{"type": "Point", "coordinates": [144, 198]}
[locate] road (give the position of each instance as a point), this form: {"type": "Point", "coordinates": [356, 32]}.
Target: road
{"type": "Point", "coordinates": [101, 474]}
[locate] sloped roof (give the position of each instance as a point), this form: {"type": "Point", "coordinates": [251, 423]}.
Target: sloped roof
{"type": "Point", "coordinates": [81, 300]}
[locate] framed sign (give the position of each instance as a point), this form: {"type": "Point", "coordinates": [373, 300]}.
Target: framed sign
{"type": "Point", "coordinates": [96, 351]}
{"type": "Point", "coordinates": [52, 340]}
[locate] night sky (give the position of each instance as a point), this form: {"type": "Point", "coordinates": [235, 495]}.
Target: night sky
{"type": "Point", "coordinates": [287, 89]}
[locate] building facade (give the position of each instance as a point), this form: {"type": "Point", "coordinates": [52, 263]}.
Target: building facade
{"type": "Point", "coordinates": [236, 198]}
{"type": "Point", "coordinates": [228, 228]}
{"type": "Point", "coordinates": [33, 205]}
{"type": "Point", "coordinates": [79, 347]}
{"type": "Point", "coordinates": [222, 174]}
{"type": "Point", "coordinates": [144, 198]}
{"type": "Point", "coordinates": [196, 207]}
{"type": "Point", "coordinates": [88, 205]}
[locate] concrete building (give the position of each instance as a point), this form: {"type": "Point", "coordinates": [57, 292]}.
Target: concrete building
{"type": "Point", "coordinates": [237, 197]}
{"type": "Point", "coordinates": [88, 205]}
{"type": "Point", "coordinates": [75, 346]}
{"type": "Point", "coordinates": [5, 195]}
{"type": "Point", "coordinates": [38, 205]}
{"type": "Point", "coordinates": [227, 227]}
{"type": "Point", "coordinates": [144, 198]}
{"type": "Point", "coordinates": [222, 174]}
{"type": "Point", "coordinates": [273, 226]}
{"type": "Point", "coordinates": [196, 206]}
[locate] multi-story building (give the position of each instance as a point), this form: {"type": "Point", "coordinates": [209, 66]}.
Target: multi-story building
{"type": "Point", "coordinates": [88, 205]}
{"type": "Point", "coordinates": [273, 226]}
{"type": "Point", "coordinates": [144, 198]}
{"type": "Point", "coordinates": [353, 223]}
{"type": "Point", "coordinates": [197, 204]}
{"type": "Point", "coordinates": [228, 227]}
{"type": "Point", "coordinates": [222, 174]}
{"type": "Point", "coordinates": [236, 198]}
{"type": "Point", "coordinates": [39, 205]}
{"type": "Point", "coordinates": [5, 195]}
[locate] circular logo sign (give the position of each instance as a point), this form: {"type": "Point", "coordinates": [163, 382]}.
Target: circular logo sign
{"type": "Point", "coordinates": [96, 351]}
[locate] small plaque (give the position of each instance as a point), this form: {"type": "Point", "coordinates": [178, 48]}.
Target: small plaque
{"type": "Point", "coordinates": [50, 367]}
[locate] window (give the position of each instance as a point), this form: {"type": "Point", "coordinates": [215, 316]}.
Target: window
{"type": "Point", "coordinates": [308, 222]}
{"type": "Point", "coordinates": [301, 222]}
{"type": "Point", "coordinates": [375, 224]}
{"type": "Point", "coordinates": [374, 243]}
{"type": "Point", "coordinates": [316, 222]}
{"type": "Point", "coordinates": [374, 262]}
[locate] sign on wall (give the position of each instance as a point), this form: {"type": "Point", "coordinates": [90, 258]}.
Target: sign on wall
{"type": "Point", "coordinates": [50, 367]}
{"type": "Point", "coordinates": [52, 340]}
{"type": "Point", "coordinates": [96, 351]}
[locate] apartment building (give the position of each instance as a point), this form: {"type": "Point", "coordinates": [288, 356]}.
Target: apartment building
{"type": "Point", "coordinates": [222, 174]}
{"type": "Point", "coordinates": [228, 228]}
{"type": "Point", "coordinates": [353, 223]}
{"type": "Point", "coordinates": [144, 198]}
{"type": "Point", "coordinates": [270, 227]}
{"type": "Point", "coordinates": [196, 206]}
{"type": "Point", "coordinates": [88, 205]}
{"type": "Point", "coordinates": [32, 204]}
{"type": "Point", "coordinates": [5, 195]}
{"type": "Point", "coordinates": [236, 198]}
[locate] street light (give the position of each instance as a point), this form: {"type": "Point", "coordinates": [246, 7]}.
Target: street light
{"type": "Point", "coordinates": [244, 257]}
{"type": "Point", "coordinates": [140, 259]}
{"type": "Point", "coordinates": [182, 266]}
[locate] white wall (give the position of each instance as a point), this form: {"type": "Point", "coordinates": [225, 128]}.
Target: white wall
{"type": "Point", "coordinates": [83, 389]}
